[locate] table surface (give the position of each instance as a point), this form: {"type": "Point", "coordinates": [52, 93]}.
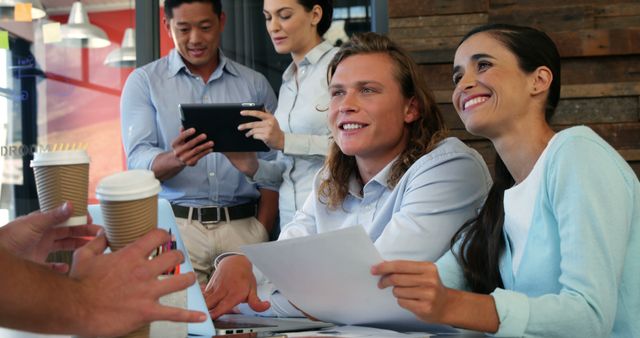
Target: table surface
{"type": "Point", "coordinates": [7, 333]}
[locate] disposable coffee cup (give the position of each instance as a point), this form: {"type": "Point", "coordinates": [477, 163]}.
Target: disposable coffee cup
{"type": "Point", "coordinates": [63, 176]}
{"type": "Point", "coordinates": [129, 204]}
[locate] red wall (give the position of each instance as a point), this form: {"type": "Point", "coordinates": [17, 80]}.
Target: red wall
{"type": "Point", "coordinates": [83, 94]}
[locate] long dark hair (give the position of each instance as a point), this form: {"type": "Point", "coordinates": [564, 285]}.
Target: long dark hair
{"type": "Point", "coordinates": [424, 133]}
{"type": "Point", "coordinates": [327, 13]}
{"type": "Point", "coordinates": [482, 239]}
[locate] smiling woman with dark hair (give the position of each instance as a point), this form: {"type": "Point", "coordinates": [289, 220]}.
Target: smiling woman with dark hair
{"type": "Point", "coordinates": [554, 251]}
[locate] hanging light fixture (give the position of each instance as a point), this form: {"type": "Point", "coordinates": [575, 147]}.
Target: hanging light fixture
{"type": "Point", "coordinates": [125, 56]}
{"type": "Point", "coordinates": [7, 9]}
{"type": "Point", "coordinates": [79, 32]}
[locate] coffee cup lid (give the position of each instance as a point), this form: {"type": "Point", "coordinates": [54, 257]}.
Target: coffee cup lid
{"type": "Point", "coordinates": [128, 185]}
{"type": "Point", "coordinates": [60, 158]}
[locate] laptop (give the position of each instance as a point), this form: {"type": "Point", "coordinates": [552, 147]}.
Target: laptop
{"type": "Point", "coordinates": [234, 324]}
{"type": "Point", "coordinates": [227, 324]}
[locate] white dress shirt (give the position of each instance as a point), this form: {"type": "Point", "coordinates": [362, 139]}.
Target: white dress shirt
{"type": "Point", "coordinates": [302, 116]}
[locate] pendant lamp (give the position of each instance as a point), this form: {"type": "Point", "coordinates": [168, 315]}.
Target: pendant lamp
{"type": "Point", "coordinates": [125, 56]}
{"type": "Point", "coordinates": [79, 32]}
{"type": "Point", "coordinates": [7, 6]}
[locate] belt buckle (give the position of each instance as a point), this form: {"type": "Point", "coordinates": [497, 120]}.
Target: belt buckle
{"type": "Point", "coordinates": [206, 223]}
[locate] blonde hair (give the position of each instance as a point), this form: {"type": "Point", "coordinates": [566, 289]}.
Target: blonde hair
{"type": "Point", "coordinates": [424, 133]}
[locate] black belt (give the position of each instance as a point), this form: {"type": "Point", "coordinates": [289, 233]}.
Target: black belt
{"type": "Point", "coordinates": [212, 215]}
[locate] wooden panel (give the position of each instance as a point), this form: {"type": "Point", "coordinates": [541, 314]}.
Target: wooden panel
{"type": "Point", "coordinates": [454, 33]}
{"type": "Point", "coordinates": [593, 70]}
{"type": "Point", "coordinates": [443, 95]}
{"type": "Point", "coordinates": [631, 155]}
{"type": "Point", "coordinates": [601, 69]}
{"type": "Point", "coordinates": [414, 44]}
{"type": "Point", "coordinates": [574, 71]}
{"type": "Point", "coordinates": [547, 18]}
{"type": "Point", "coordinates": [601, 89]}
{"type": "Point", "coordinates": [598, 40]}
{"type": "Point", "coordinates": [617, 22]}
{"type": "Point", "coordinates": [618, 15]}
{"type": "Point", "coordinates": [438, 76]}
{"type": "Point", "coordinates": [549, 3]}
{"type": "Point", "coordinates": [619, 135]}
{"type": "Point", "coordinates": [636, 167]}
{"type": "Point", "coordinates": [451, 118]}
{"type": "Point", "coordinates": [622, 136]}
{"type": "Point", "coordinates": [439, 20]}
{"type": "Point", "coordinates": [618, 9]}
{"type": "Point", "coordinates": [594, 42]}
{"type": "Point", "coordinates": [561, 16]}
{"type": "Point", "coordinates": [486, 149]}
{"type": "Point", "coordinates": [574, 91]}
{"type": "Point", "coordinates": [434, 56]}
{"type": "Point", "coordinates": [405, 8]}
{"type": "Point", "coordinates": [597, 110]}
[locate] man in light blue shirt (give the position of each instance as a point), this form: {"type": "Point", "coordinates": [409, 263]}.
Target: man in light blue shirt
{"type": "Point", "coordinates": [391, 171]}
{"type": "Point", "coordinates": [216, 208]}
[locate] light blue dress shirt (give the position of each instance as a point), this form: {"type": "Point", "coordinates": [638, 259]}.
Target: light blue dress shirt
{"type": "Point", "coordinates": [418, 217]}
{"type": "Point", "coordinates": [151, 121]}
{"type": "Point", "coordinates": [580, 272]}
{"type": "Point", "coordinates": [302, 116]}
{"type": "Point", "coordinates": [415, 220]}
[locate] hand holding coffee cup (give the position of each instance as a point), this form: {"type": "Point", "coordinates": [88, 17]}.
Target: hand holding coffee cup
{"type": "Point", "coordinates": [129, 204]}
{"type": "Point", "coordinates": [63, 176]}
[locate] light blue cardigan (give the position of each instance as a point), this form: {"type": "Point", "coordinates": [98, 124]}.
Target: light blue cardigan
{"type": "Point", "coordinates": [580, 272]}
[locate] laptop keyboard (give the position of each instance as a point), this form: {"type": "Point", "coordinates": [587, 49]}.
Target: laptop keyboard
{"type": "Point", "coordinates": [230, 324]}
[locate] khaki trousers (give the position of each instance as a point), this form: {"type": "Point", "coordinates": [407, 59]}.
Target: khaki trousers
{"type": "Point", "coordinates": [204, 245]}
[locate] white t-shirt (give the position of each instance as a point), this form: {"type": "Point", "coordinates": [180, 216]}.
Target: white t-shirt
{"type": "Point", "coordinates": [518, 209]}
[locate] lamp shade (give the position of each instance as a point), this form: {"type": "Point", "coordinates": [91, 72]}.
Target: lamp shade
{"type": "Point", "coordinates": [125, 56]}
{"type": "Point", "coordinates": [79, 32]}
{"type": "Point", "coordinates": [7, 9]}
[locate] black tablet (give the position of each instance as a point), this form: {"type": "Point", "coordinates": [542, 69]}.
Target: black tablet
{"type": "Point", "coordinates": [220, 122]}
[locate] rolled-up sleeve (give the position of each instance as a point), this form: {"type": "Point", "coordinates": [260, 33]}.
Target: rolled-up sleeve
{"type": "Point", "coordinates": [269, 173]}
{"type": "Point", "coordinates": [513, 312]}
{"type": "Point", "coordinates": [270, 182]}
{"type": "Point", "coordinates": [306, 144]}
{"type": "Point", "coordinates": [450, 271]}
{"type": "Point", "coordinates": [139, 128]}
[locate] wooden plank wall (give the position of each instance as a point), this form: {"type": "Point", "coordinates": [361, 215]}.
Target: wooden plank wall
{"type": "Point", "coordinates": [599, 42]}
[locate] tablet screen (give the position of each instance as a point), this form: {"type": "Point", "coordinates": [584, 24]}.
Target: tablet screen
{"type": "Point", "coordinates": [220, 121]}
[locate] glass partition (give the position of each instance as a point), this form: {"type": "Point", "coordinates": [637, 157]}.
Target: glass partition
{"type": "Point", "coordinates": [56, 93]}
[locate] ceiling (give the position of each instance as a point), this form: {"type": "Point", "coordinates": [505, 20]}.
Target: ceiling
{"type": "Point", "coordinates": [54, 7]}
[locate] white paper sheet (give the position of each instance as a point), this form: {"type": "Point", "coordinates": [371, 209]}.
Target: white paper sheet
{"type": "Point", "coordinates": [328, 276]}
{"type": "Point", "coordinates": [353, 332]}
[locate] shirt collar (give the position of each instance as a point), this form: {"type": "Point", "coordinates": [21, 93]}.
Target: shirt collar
{"type": "Point", "coordinates": [312, 57]}
{"type": "Point", "coordinates": [176, 64]}
{"type": "Point", "coordinates": [381, 178]}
